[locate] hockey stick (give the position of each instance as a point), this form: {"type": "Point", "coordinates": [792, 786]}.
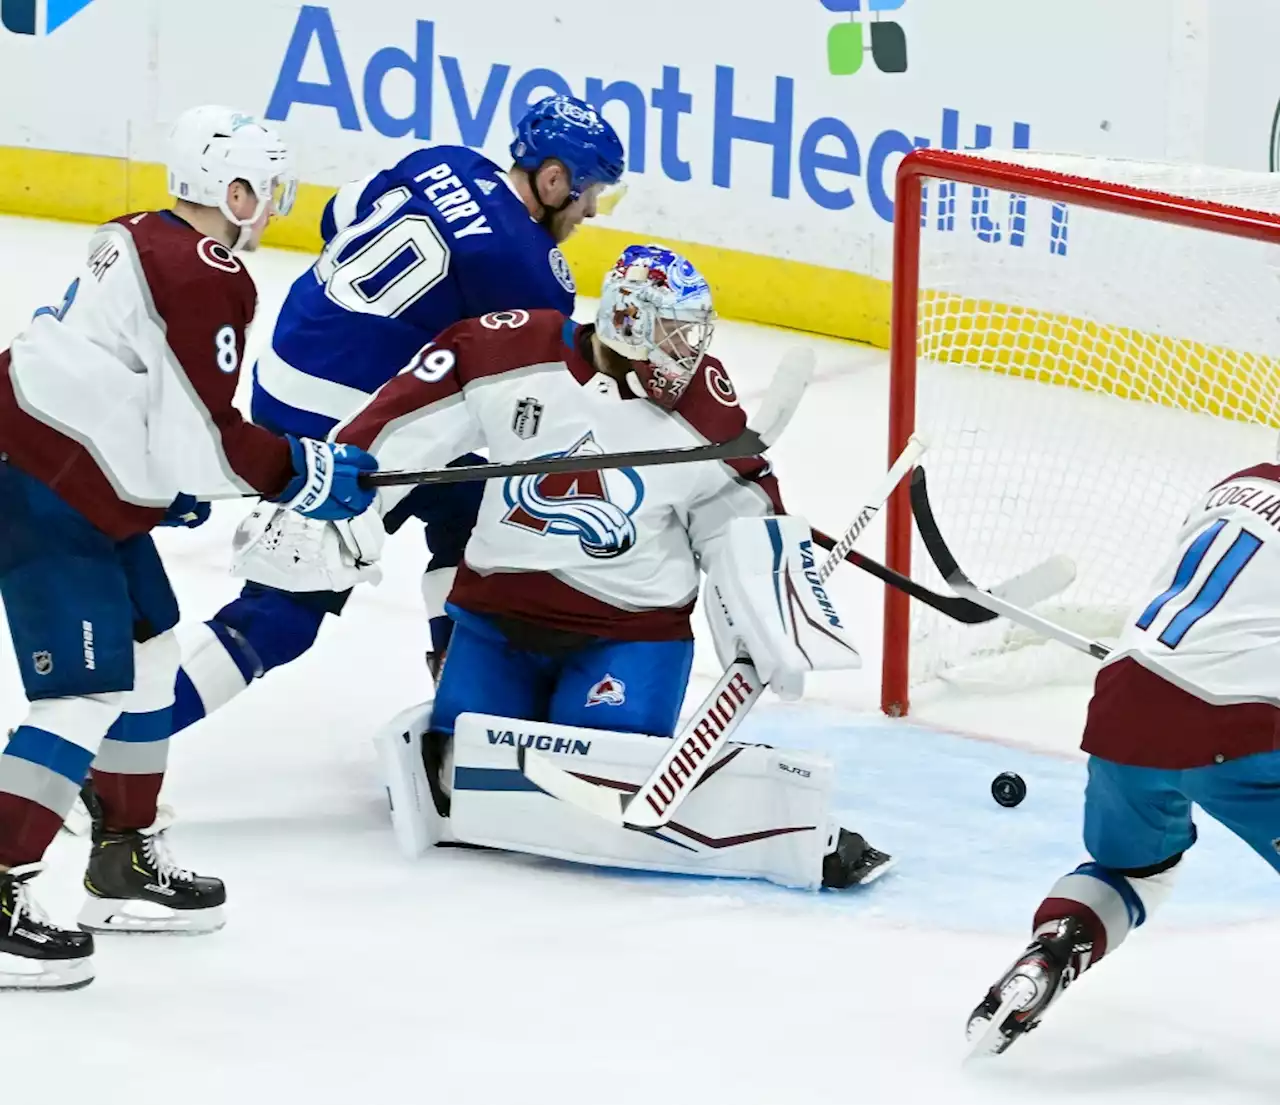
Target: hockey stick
{"type": "Point", "coordinates": [692, 752]}
{"type": "Point", "coordinates": [780, 401]}
{"type": "Point", "coordinates": [959, 609]}
{"type": "Point", "coordinates": [906, 461]}
{"type": "Point", "coordinates": [1048, 578]}
{"type": "Point", "coordinates": [952, 606]}
{"type": "Point", "coordinates": [965, 587]}
{"type": "Point", "coordinates": [697, 746]}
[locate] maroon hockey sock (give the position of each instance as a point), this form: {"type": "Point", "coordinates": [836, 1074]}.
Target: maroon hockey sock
{"type": "Point", "coordinates": [128, 801]}
{"type": "Point", "coordinates": [26, 830]}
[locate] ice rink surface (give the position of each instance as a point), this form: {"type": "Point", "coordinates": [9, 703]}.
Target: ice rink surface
{"type": "Point", "coordinates": [347, 974]}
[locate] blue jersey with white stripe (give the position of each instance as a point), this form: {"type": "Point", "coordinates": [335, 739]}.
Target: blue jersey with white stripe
{"type": "Point", "coordinates": [440, 237]}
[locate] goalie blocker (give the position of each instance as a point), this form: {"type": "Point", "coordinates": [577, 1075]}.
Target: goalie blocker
{"type": "Point", "coordinates": [730, 809]}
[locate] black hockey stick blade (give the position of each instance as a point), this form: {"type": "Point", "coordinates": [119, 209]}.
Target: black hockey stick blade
{"type": "Point", "coordinates": [939, 553]}
{"type": "Point", "coordinates": [952, 606]}
{"type": "Point", "coordinates": [959, 582]}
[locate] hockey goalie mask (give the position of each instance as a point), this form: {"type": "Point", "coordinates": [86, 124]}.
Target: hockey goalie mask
{"type": "Point", "coordinates": [655, 310]}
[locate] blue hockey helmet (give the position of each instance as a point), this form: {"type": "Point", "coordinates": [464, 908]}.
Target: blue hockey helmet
{"type": "Point", "coordinates": [575, 134]}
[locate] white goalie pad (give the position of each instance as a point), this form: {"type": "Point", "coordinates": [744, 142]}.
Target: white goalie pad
{"type": "Point", "coordinates": [758, 813]}
{"type": "Point", "coordinates": [278, 547]}
{"type": "Point", "coordinates": [417, 824]}
{"type": "Point", "coordinates": [764, 600]}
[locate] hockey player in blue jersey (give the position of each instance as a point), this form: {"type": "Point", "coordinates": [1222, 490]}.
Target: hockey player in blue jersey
{"type": "Point", "coordinates": [443, 235]}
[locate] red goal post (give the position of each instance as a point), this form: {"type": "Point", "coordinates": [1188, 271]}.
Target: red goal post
{"type": "Point", "coordinates": [1107, 192]}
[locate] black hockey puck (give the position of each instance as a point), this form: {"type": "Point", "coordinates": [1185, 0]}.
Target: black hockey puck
{"type": "Point", "coordinates": [1008, 789]}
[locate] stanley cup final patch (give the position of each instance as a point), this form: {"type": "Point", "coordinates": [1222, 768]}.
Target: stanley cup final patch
{"type": "Point", "coordinates": [608, 692]}
{"type": "Point", "coordinates": [527, 418]}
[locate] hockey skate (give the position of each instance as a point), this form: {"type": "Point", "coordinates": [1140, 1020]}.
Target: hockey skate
{"type": "Point", "coordinates": [1017, 1003]}
{"type": "Point", "coordinates": [853, 862]}
{"type": "Point", "coordinates": [34, 953]}
{"type": "Point", "coordinates": [134, 886]}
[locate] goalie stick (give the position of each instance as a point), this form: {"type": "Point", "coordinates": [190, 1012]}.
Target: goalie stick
{"type": "Point", "coordinates": [962, 585]}
{"type": "Point", "coordinates": [697, 746]}
{"type": "Point", "coordinates": [780, 401]}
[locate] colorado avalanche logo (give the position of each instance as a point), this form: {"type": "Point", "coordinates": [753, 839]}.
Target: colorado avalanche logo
{"type": "Point", "coordinates": [594, 507]}
{"type": "Point", "coordinates": [608, 692]}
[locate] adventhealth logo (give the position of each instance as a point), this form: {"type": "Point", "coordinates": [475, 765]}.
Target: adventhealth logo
{"type": "Point", "coordinates": [22, 17]}
{"type": "Point", "coordinates": [849, 43]}
{"type": "Point", "coordinates": [829, 160]}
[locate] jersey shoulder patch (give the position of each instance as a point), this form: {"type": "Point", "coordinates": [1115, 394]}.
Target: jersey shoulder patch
{"type": "Point", "coordinates": [179, 262]}
{"type": "Point", "coordinates": [710, 403]}
{"type": "Point", "coordinates": [504, 341]}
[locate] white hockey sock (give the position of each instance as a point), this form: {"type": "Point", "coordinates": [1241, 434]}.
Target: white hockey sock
{"type": "Point", "coordinates": [1110, 904]}
{"type": "Point", "coordinates": [213, 671]}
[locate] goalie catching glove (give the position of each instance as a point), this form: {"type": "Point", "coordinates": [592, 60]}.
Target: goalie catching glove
{"type": "Point", "coordinates": [764, 601]}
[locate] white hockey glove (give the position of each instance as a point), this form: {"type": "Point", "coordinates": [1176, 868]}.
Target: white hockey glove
{"type": "Point", "coordinates": [279, 547]}
{"type": "Point", "coordinates": [764, 600]}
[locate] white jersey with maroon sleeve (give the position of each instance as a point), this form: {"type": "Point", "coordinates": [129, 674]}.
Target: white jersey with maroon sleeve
{"type": "Point", "coordinates": [1212, 623]}
{"type": "Point", "coordinates": [121, 398]}
{"type": "Point", "coordinates": [611, 553]}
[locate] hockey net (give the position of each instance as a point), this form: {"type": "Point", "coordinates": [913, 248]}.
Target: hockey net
{"type": "Point", "coordinates": [1088, 344]}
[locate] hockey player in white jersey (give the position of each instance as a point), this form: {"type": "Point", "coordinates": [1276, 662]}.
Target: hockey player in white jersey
{"type": "Point", "coordinates": [117, 416]}
{"type": "Point", "coordinates": [1185, 710]}
{"type": "Point", "coordinates": [573, 603]}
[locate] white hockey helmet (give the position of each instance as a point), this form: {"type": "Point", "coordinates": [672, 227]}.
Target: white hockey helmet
{"type": "Point", "coordinates": [211, 146]}
{"type": "Point", "coordinates": [655, 310]}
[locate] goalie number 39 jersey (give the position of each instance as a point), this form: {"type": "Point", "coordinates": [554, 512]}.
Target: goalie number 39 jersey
{"type": "Point", "coordinates": [1211, 628]}
{"type": "Point", "coordinates": [605, 553]}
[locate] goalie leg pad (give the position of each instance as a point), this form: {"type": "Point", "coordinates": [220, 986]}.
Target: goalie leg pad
{"type": "Point", "coordinates": [417, 823]}
{"type": "Point", "coordinates": [759, 813]}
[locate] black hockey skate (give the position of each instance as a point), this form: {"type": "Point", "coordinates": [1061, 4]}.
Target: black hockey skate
{"type": "Point", "coordinates": [34, 953]}
{"type": "Point", "coordinates": [135, 887]}
{"type": "Point", "coordinates": [853, 862]}
{"type": "Point", "coordinates": [1018, 1002]}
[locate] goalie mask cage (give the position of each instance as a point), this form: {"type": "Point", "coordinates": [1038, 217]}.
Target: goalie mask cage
{"type": "Point", "coordinates": [1088, 344]}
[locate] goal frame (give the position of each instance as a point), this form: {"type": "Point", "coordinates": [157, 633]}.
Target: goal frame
{"type": "Point", "coordinates": [916, 169]}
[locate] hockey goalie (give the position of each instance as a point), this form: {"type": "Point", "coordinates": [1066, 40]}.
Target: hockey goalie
{"type": "Point", "coordinates": [573, 642]}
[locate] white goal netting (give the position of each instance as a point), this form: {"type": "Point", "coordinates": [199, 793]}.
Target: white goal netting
{"type": "Point", "coordinates": [1082, 376]}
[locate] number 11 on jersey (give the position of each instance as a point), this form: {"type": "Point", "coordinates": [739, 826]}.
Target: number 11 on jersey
{"type": "Point", "coordinates": [1225, 572]}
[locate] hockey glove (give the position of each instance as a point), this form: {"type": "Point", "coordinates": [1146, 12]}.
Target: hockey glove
{"type": "Point", "coordinates": [186, 510]}
{"type": "Point", "coordinates": [327, 484]}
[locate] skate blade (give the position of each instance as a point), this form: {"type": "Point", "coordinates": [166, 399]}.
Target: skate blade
{"type": "Point", "coordinates": [17, 972]}
{"type": "Point", "coordinates": [129, 917]}
{"type": "Point", "coordinates": [992, 1040]}
{"type": "Point", "coordinates": [878, 871]}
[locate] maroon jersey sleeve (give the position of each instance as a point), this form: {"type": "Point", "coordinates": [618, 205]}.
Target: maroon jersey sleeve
{"type": "Point", "coordinates": [467, 351]}
{"type": "Point", "coordinates": [710, 407]}
{"type": "Point", "coordinates": [205, 300]}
